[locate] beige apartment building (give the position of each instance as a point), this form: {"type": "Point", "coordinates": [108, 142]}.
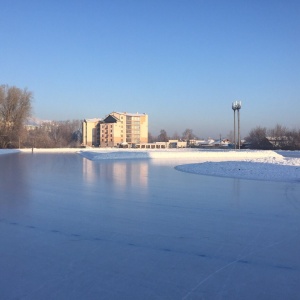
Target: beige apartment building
{"type": "Point", "coordinates": [89, 131]}
{"type": "Point", "coordinates": [116, 129]}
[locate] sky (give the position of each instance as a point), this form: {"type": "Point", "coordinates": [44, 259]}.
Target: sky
{"type": "Point", "coordinates": [181, 62]}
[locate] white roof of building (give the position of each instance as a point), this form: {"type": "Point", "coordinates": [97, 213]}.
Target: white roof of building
{"type": "Point", "coordinates": [93, 120]}
{"type": "Point", "coordinates": [130, 114]}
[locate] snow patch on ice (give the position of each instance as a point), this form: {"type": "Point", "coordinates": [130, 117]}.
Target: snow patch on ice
{"type": "Point", "coordinates": [270, 169]}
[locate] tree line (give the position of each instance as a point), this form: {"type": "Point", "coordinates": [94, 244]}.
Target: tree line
{"type": "Point", "coordinates": [187, 135]}
{"type": "Point", "coordinates": [279, 137]}
{"type": "Point", "coordinates": [54, 134]}
{"type": "Point", "coordinates": [15, 109]}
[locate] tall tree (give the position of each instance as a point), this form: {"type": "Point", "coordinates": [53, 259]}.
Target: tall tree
{"type": "Point", "coordinates": [151, 138]}
{"type": "Point", "coordinates": [175, 136]}
{"type": "Point", "coordinates": [163, 137]}
{"type": "Point", "coordinates": [188, 135]}
{"type": "Point", "coordinates": [15, 108]}
{"type": "Point", "coordinates": [230, 136]}
{"type": "Point", "coordinates": [258, 138]}
{"type": "Point", "coordinates": [279, 136]}
{"type": "Point", "coordinates": [292, 140]}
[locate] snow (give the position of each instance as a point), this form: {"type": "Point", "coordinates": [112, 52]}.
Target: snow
{"type": "Point", "coordinates": [245, 164]}
{"type": "Point", "coordinates": [213, 155]}
{"type": "Point", "coordinates": [264, 170]}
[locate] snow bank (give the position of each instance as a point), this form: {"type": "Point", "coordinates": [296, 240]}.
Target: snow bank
{"type": "Point", "coordinates": [215, 155]}
{"type": "Point", "coordinates": [245, 170]}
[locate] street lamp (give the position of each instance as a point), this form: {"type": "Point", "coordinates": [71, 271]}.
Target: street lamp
{"type": "Point", "coordinates": [236, 105]}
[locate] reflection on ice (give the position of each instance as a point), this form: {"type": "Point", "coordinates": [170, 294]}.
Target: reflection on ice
{"type": "Point", "coordinates": [121, 173]}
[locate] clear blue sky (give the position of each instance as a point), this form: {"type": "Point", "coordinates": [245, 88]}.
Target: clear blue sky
{"type": "Point", "coordinates": [181, 62]}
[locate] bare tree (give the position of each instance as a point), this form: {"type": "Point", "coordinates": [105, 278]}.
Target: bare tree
{"type": "Point", "coordinates": [230, 136]}
{"type": "Point", "coordinates": [15, 107]}
{"type": "Point", "coordinates": [151, 138]}
{"type": "Point", "coordinates": [278, 136]}
{"type": "Point", "coordinates": [55, 135]}
{"type": "Point", "coordinates": [292, 140]}
{"type": "Point", "coordinates": [175, 136]}
{"type": "Point", "coordinates": [188, 135]}
{"type": "Point", "coordinates": [163, 137]}
{"type": "Point", "coordinates": [257, 138]}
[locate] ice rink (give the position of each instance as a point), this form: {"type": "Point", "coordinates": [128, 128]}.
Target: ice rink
{"type": "Point", "coordinates": [76, 228]}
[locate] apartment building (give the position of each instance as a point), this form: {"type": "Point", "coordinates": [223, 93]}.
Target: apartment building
{"type": "Point", "coordinates": [89, 132]}
{"type": "Point", "coordinates": [117, 128]}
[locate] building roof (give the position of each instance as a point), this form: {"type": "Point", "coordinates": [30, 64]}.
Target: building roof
{"type": "Point", "coordinates": [110, 119]}
{"type": "Point", "coordinates": [131, 114]}
{"type": "Point", "coordinates": [93, 120]}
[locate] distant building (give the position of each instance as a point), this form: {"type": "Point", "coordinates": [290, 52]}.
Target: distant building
{"type": "Point", "coordinates": [29, 127]}
{"type": "Point", "coordinates": [162, 145]}
{"type": "Point", "coordinates": [89, 132]}
{"type": "Point", "coordinates": [116, 129]}
{"type": "Point", "coordinates": [210, 143]}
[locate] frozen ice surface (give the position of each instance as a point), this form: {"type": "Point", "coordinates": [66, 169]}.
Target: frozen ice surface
{"type": "Point", "coordinates": [73, 228]}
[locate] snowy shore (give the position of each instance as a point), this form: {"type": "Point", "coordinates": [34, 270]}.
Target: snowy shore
{"type": "Point", "coordinates": [247, 164]}
{"type": "Point", "coordinates": [244, 164]}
